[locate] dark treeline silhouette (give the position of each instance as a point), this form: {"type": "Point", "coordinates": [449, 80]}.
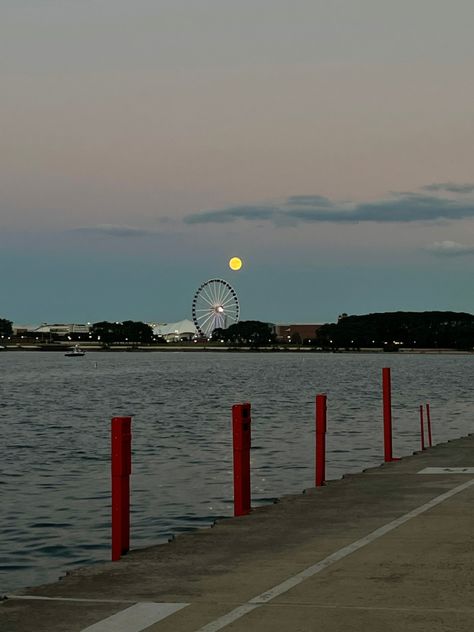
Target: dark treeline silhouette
{"type": "Point", "coordinates": [5, 327]}
{"type": "Point", "coordinates": [128, 331]}
{"type": "Point", "coordinates": [251, 333]}
{"type": "Point", "coordinates": [392, 330]}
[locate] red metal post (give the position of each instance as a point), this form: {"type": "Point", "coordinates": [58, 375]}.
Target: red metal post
{"type": "Point", "coordinates": [241, 431]}
{"type": "Point", "coordinates": [422, 429]}
{"type": "Point", "coordinates": [121, 470]}
{"type": "Point", "coordinates": [428, 421]}
{"type": "Point", "coordinates": [387, 414]}
{"type": "Point", "coordinates": [321, 401]}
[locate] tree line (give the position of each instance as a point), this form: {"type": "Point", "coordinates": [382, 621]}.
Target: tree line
{"type": "Point", "coordinates": [252, 333]}
{"type": "Point", "coordinates": [386, 330]}
{"type": "Point", "coordinates": [127, 331]}
{"type": "Point", "coordinates": [394, 330]}
{"type": "Point", "coordinates": [106, 332]}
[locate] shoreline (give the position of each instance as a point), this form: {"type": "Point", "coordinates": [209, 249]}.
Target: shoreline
{"type": "Point", "coordinates": [222, 349]}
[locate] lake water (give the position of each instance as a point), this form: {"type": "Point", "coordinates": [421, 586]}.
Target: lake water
{"type": "Point", "coordinates": [55, 418]}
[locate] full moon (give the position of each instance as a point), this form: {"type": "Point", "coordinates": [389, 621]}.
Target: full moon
{"type": "Point", "coordinates": [235, 263]}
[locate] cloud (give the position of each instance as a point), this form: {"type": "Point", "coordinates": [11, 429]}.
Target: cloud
{"type": "Point", "coordinates": [114, 230]}
{"type": "Point", "coordinates": [231, 214]}
{"type": "Point", "coordinates": [450, 187]}
{"type": "Point", "coordinates": [450, 249]}
{"type": "Point", "coordinates": [399, 208]}
{"type": "Point", "coordinates": [413, 207]}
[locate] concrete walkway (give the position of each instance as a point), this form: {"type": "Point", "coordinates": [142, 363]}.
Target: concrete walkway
{"type": "Point", "coordinates": [388, 549]}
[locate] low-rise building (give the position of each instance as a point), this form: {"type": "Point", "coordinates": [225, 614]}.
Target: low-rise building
{"type": "Point", "coordinates": [62, 329]}
{"type": "Point", "coordinates": [296, 333]}
{"type": "Point", "coordinates": [175, 332]}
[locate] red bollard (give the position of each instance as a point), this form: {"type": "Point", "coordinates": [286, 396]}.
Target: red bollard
{"type": "Point", "coordinates": [121, 470]}
{"type": "Point", "coordinates": [422, 429]}
{"type": "Point", "coordinates": [241, 422]}
{"type": "Point", "coordinates": [428, 421]}
{"type": "Point", "coordinates": [320, 439]}
{"type": "Point", "coordinates": [387, 414]}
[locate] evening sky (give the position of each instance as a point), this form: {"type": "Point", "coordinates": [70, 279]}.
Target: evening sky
{"type": "Point", "coordinates": [328, 143]}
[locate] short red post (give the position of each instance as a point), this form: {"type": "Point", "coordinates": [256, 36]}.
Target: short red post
{"type": "Point", "coordinates": [428, 422]}
{"type": "Point", "coordinates": [241, 433]}
{"type": "Point", "coordinates": [387, 414]}
{"type": "Point", "coordinates": [321, 406]}
{"type": "Point", "coordinates": [422, 429]}
{"type": "Point", "coordinates": [121, 470]}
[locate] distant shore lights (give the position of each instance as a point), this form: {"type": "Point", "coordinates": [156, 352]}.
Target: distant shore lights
{"type": "Point", "coordinates": [235, 263]}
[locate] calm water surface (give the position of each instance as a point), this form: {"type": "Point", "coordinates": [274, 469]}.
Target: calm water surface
{"type": "Point", "coordinates": [55, 417]}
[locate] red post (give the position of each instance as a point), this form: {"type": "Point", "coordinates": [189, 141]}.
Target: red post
{"type": "Point", "coordinates": [422, 429]}
{"type": "Point", "coordinates": [428, 421]}
{"type": "Point", "coordinates": [387, 414]}
{"type": "Point", "coordinates": [321, 401]}
{"type": "Point", "coordinates": [121, 470]}
{"type": "Point", "coordinates": [241, 432]}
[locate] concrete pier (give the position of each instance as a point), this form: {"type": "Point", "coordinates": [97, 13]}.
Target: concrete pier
{"type": "Point", "coordinates": [389, 549]}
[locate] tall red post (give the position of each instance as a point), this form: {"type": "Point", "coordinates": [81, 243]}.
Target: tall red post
{"type": "Point", "coordinates": [241, 432]}
{"type": "Point", "coordinates": [422, 429]}
{"type": "Point", "coordinates": [321, 407]}
{"type": "Point", "coordinates": [428, 422]}
{"type": "Point", "coordinates": [387, 414]}
{"type": "Point", "coordinates": [121, 470]}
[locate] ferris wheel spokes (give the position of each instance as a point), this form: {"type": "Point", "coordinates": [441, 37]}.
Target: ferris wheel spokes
{"type": "Point", "coordinates": [215, 305]}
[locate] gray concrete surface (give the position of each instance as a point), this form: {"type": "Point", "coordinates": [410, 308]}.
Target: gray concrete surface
{"type": "Point", "coordinates": [417, 575]}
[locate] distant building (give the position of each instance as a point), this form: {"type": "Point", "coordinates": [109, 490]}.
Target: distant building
{"type": "Point", "coordinates": [62, 329]}
{"type": "Point", "coordinates": [174, 332]}
{"type": "Point", "coordinates": [20, 330]}
{"type": "Point", "coordinates": [45, 332]}
{"type": "Point", "coordinates": [296, 332]}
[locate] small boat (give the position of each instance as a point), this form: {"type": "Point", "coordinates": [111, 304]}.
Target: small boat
{"type": "Point", "coordinates": [75, 353]}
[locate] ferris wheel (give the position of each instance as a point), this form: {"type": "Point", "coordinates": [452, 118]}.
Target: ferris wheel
{"type": "Point", "coordinates": [215, 305]}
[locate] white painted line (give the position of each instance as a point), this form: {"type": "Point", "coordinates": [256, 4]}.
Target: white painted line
{"type": "Point", "coordinates": [136, 618]}
{"type": "Point", "coordinates": [447, 470]}
{"type": "Point", "coordinates": [290, 583]}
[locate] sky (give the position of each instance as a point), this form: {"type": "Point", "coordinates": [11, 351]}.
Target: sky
{"type": "Point", "coordinates": [328, 143]}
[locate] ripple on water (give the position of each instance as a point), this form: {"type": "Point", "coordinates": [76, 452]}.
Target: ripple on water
{"type": "Point", "coordinates": [56, 472]}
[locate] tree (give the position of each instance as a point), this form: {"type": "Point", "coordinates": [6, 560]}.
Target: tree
{"type": "Point", "coordinates": [128, 331]}
{"type": "Point", "coordinates": [296, 338]}
{"type": "Point", "coordinates": [137, 331]}
{"type": "Point", "coordinates": [246, 332]}
{"type": "Point", "coordinates": [5, 327]}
